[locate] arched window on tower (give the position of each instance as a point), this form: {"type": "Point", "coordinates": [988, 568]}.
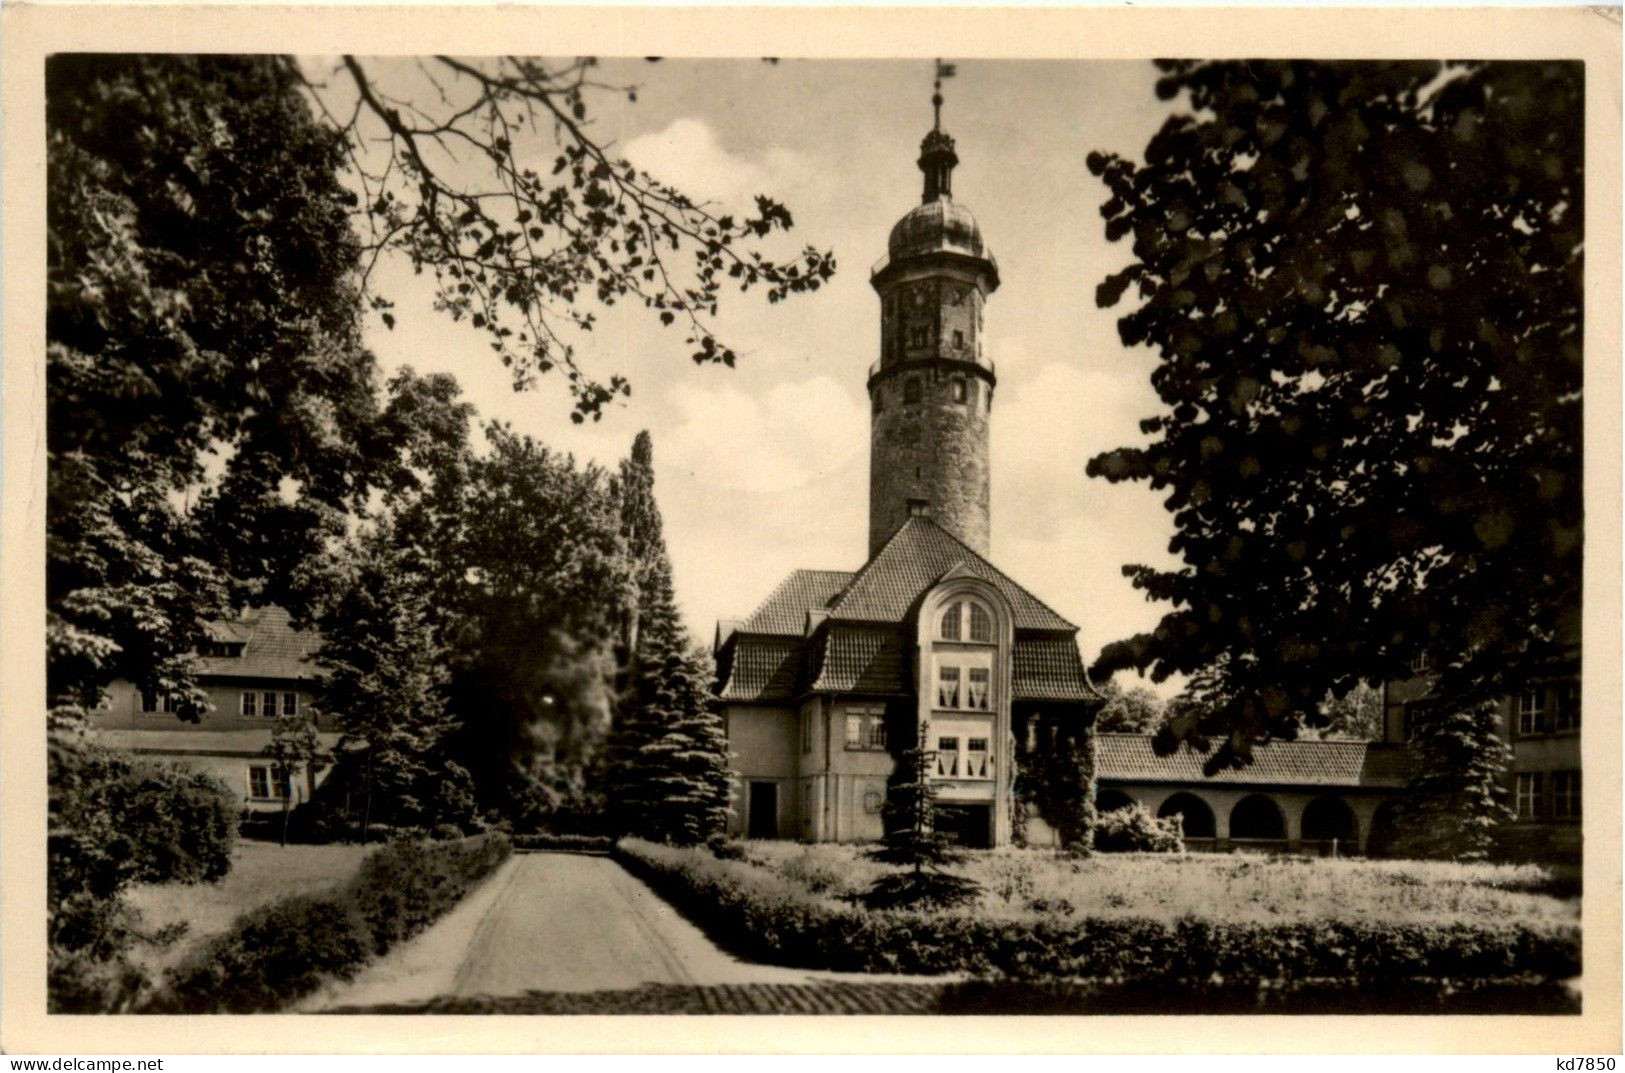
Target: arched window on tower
{"type": "Point", "coordinates": [911, 389]}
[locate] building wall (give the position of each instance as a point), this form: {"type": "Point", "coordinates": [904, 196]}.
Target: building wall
{"type": "Point", "coordinates": [222, 744]}
{"type": "Point", "coordinates": [764, 741]}
{"type": "Point", "coordinates": [1223, 799]}
{"type": "Point", "coordinates": [122, 709]}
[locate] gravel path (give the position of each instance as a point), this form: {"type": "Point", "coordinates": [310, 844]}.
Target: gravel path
{"type": "Point", "coordinates": [552, 922]}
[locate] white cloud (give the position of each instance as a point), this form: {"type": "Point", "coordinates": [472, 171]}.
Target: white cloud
{"type": "Point", "coordinates": [688, 156]}
{"type": "Point", "coordinates": [785, 438]}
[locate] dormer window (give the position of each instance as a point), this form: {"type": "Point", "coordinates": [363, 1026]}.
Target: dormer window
{"type": "Point", "coordinates": [966, 620]}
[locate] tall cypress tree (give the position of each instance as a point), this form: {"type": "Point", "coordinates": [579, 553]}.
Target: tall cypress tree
{"type": "Point", "coordinates": [667, 771]}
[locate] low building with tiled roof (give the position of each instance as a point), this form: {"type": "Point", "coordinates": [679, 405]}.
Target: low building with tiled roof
{"type": "Point", "coordinates": [253, 668]}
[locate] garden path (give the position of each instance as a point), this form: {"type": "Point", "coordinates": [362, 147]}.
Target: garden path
{"type": "Point", "coordinates": [551, 922]}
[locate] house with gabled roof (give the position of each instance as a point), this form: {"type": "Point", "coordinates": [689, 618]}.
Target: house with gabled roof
{"type": "Point", "coordinates": [253, 668]}
{"type": "Point", "coordinates": [838, 671]}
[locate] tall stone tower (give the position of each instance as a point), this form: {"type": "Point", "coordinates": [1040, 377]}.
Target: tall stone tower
{"type": "Point", "coordinates": [931, 392]}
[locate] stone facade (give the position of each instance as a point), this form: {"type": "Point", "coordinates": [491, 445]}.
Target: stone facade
{"type": "Point", "coordinates": [931, 391]}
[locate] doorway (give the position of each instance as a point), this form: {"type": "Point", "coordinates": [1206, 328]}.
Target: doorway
{"type": "Point", "coordinates": [764, 810]}
{"type": "Point", "coordinates": [970, 826]}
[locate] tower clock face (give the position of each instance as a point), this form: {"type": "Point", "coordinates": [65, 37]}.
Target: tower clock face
{"type": "Point", "coordinates": [957, 295]}
{"type": "Point", "coordinates": [920, 295]}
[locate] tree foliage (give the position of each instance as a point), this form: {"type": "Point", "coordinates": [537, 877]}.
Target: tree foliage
{"type": "Point", "coordinates": [113, 822]}
{"type": "Point", "coordinates": [205, 382]}
{"type": "Point", "coordinates": [1137, 710]}
{"type": "Point", "coordinates": [1056, 775]}
{"type": "Point", "coordinates": [442, 153]}
{"type": "Point", "coordinates": [1363, 282]}
{"type": "Point", "coordinates": [384, 676]}
{"type": "Point", "coordinates": [1454, 804]}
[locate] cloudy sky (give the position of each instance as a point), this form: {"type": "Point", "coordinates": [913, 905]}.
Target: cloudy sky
{"type": "Point", "coordinates": [764, 468]}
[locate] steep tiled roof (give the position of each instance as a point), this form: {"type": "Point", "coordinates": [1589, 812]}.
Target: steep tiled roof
{"type": "Point", "coordinates": [915, 557]}
{"type": "Point", "coordinates": [785, 610]}
{"type": "Point", "coordinates": [271, 647]}
{"type": "Point", "coordinates": [1049, 668]}
{"type": "Point", "coordinates": [860, 661]}
{"type": "Point", "coordinates": [763, 668]}
{"type": "Point", "coordinates": [1129, 758]}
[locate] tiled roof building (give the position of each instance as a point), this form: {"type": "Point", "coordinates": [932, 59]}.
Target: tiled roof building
{"type": "Point", "coordinates": [837, 671]}
{"type": "Point", "coordinates": [254, 669]}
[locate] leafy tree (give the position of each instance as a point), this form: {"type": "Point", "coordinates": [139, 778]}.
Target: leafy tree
{"type": "Point", "coordinates": [1454, 805]}
{"type": "Point", "coordinates": [204, 380]}
{"type": "Point", "coordinates": [1363, 281]}
{"type": "Point", "coordinates": [1129, 711]}
{"type": "Point", "coordinates": [517, 251]}
{"type": "Point", "coordinates": [1355, 716]}
{"type": "Point", "coordinates": [541, 575]}
{"type": "Point", "coordinates": [913, 841]}
{"type": "Point", "coordinates": [1055, 776]}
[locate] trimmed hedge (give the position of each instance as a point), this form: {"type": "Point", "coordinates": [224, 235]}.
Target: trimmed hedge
{"type": "Point", "coordinates": [281, 952]}
{"type": "Point", "coordinates": [760, 916]}
{"type": "Point", "coordinates": [570, 843]}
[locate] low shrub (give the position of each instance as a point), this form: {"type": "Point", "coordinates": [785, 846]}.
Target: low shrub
{"type": "Point", "coordinates": [1132, 829]}
{"type": "Point", "coordinates": [573, 843]}
{"type": "Point", "coordinates": [818, 875]}
{"type": "Point", "coordinates": [764, 917]}
{"type": "Point", "coordinates": [280, 952]}
{"type": "Point", "coordinates": [114, 821]}
{"type": "Point", "coordinates": [724, 848]}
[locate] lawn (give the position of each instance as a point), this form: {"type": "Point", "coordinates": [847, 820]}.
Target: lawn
{"type": "Point", "coordinates": [1018, 883]}
{"type": "Point", "coordinates": [1140, 920]}
{"type": "Point", "coordinates": [261, 872]}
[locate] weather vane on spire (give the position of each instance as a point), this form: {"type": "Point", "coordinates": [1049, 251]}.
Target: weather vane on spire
{"type": "Point", "coordinates": [944, 70]}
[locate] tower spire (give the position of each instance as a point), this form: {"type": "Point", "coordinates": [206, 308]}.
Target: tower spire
{"type": "Point", "coordinates": [937, 157]}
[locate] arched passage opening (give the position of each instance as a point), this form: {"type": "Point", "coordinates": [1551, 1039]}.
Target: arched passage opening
{"type": "Point", "coordinates": [1112, 800]}
{"type": "Point", "coordinates": [1381, 840]}
{"type": "Point", "coordinates": [1328, 818]}
{"type": "Point", "coordinates": [1257, 817]}
{"type": "Point", "coordinates": [1197, 817]}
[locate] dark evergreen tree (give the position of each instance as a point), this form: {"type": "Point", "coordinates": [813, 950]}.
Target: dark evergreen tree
{"type": "Point", "coordinates": [1363, 282]}
{"type": "Point", "coordinates": [666, 773]}
{"type": "Point", "coordinates": [1454, 805]}
{"type": "Point", "coordinates": [384, 681]}
{"type": "Point", "coordinates": [913, 842]}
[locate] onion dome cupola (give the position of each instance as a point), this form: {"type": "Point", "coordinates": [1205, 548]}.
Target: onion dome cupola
{"type": "Point", "coordinates": [931, 392]}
